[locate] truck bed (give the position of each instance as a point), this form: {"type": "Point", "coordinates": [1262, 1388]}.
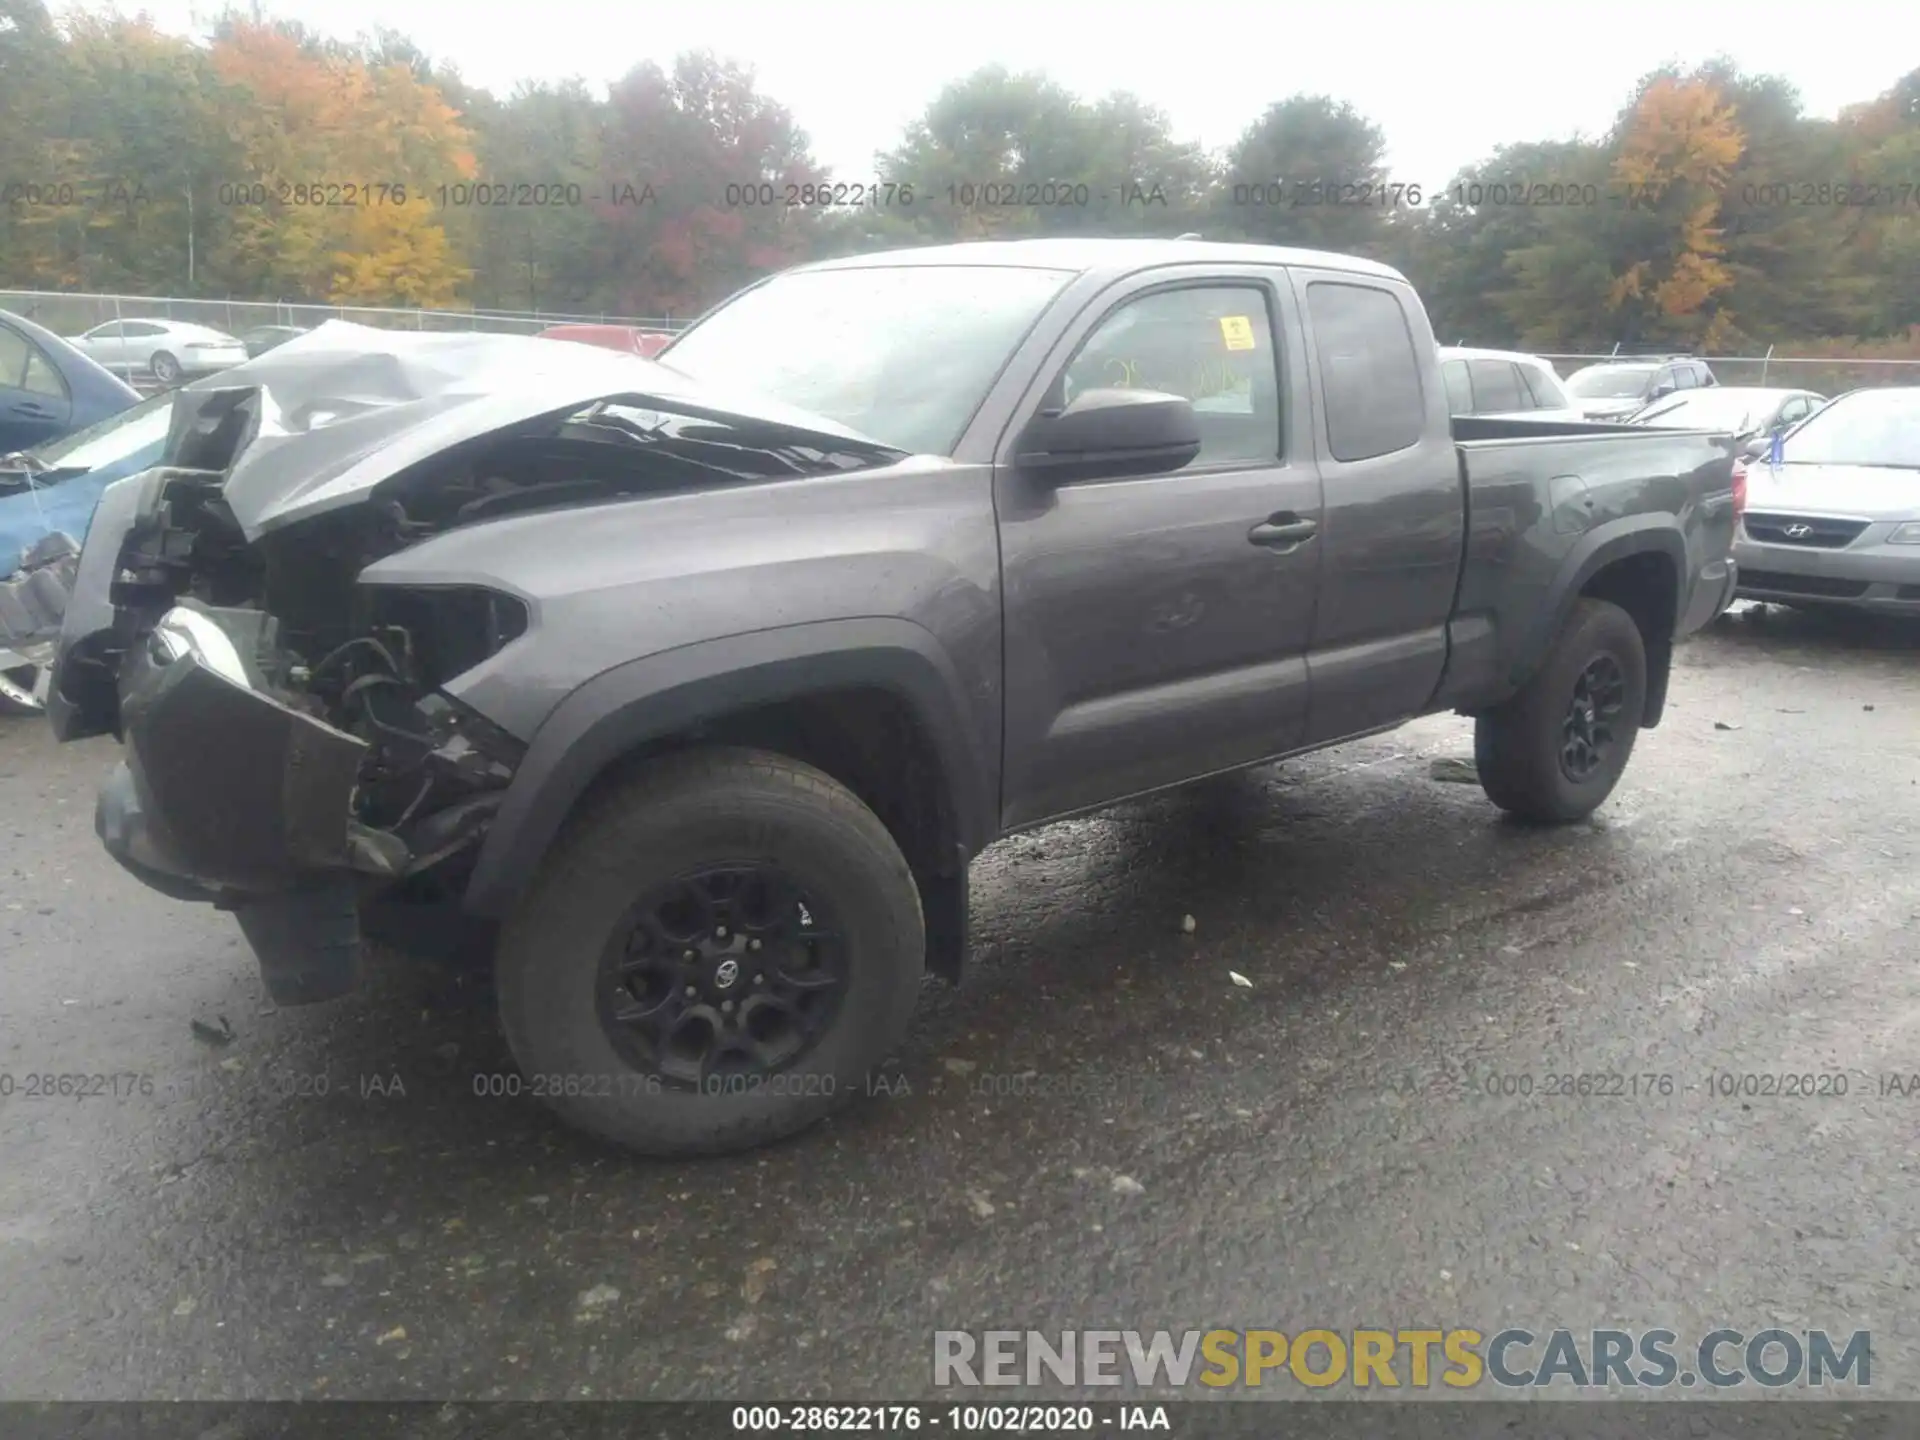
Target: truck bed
{"type": "Point", "coordinates": [1547, 500]}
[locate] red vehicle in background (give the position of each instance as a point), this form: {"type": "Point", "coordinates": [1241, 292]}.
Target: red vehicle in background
{"type": "Point", "coordinates": [628, 338]}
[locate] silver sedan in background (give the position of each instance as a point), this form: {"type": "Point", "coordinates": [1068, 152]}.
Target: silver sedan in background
{"type": "Point", "coordinates": [1837, 521]}
{"type": "Point", "coordinates": [171, 351]}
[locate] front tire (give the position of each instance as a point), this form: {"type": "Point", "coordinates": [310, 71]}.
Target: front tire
{"type": "Point", "coordinates": [166, 369]}
{"type": "Point", "coordinates": [1554, 752]}
{"type": "Point", "coordinates": [714, 955]}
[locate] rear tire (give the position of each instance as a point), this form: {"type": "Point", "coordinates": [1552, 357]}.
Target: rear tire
{"type": "Point", "coordinates": [166, 369]}
{"type": "Point", "coordinates": [566, 961]}
{"type": "Point", "coordinates": [1554, 752]}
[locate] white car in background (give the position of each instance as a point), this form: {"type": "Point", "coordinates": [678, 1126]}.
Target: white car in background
{"type": "Point", "coordinates": [1747, 412]}
{"type": "Point", "coordinates": [1504, 384]}
{"type": "Point", "coordinates": [170, 351]}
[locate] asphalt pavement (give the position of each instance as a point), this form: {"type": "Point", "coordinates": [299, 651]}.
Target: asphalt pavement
{"type": "Point", "coordinates": [1288, 1115]}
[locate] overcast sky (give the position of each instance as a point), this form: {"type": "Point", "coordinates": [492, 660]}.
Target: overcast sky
{"type": "Point", "coordinates": [1446, 82]}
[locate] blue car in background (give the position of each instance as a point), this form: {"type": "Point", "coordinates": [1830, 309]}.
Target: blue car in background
{"type": "Point", "coordinates": [52, 491]}
{"type": "Point", "coordinates": [48, 388]}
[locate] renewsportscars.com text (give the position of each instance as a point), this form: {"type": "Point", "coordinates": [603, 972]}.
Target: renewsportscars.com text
{"type": "Point", "coordinates": [1458, 1359]}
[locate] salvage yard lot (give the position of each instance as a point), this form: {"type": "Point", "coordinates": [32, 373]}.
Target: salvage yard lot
{"type": "Point", "coordinates": [1102, 1127]}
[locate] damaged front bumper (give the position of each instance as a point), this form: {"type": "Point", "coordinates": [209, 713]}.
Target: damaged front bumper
{"type": "Point", "coordinates": [229, 796]}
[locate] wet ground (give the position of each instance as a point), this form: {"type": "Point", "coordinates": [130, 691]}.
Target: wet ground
{"type": "Point", "coordinates": [1103, 1128]}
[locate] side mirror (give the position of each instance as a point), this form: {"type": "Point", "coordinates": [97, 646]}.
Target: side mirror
{"type": "Point", "coordinates": [1111, 433]}
{"type": "Point", "coordinates": [1664, 388]}
{"type": "Point", "coordinates": [1755, 446]}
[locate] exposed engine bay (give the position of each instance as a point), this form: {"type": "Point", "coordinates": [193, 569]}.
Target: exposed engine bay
{"type": "Point", "coordinates": [311, 682]}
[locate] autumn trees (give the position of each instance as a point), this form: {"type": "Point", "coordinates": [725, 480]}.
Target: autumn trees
{"type": "Point", "coordinates": [1713, 213]}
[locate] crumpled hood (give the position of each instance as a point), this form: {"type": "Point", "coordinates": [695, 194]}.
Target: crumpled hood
{"type": "Point", "coordinates": [1872, 492]}
{"type": "Point", "coordinates": [346, 407]}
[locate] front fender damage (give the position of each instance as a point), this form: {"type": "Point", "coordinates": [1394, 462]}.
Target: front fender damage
{"type": "Point", "coordinates": [292, 750]}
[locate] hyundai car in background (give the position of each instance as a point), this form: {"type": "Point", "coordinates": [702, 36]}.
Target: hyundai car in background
{"type": "Point", "coordinates": [1504, 383]}
{"type": "Point", "coordinates": [1837, 521]}
{"type": "Point", "coordinates": [170, 351]}
{"type": "Point", "coordinates": [48, 388]}
{"type": "Point", "coordinates": [1614, 389]}
{"type": "Point", "coordinates": [1748, 413]}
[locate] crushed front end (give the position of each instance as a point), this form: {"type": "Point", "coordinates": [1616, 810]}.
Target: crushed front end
{"type": "Point", "coordinates": [296, 741]}
{"type": "Point", "coordinates": [287, 754]}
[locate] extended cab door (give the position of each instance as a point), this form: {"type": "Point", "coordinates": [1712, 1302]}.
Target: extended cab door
{"type": "Point", "coordinates": [1157, 626]}
{"type": "Point", "coordinates": [1394, 522]}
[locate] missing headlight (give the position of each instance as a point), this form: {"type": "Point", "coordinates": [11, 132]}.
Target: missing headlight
{"type": "Point", "coordinates": [452, 628]}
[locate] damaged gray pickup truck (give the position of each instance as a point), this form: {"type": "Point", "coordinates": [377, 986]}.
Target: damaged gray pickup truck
{"type": "Point", "coordinates": [708, 677]}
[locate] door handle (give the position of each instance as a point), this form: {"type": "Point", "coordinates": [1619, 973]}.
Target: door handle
{"type": "Point", "coordinates": [1286, 528]}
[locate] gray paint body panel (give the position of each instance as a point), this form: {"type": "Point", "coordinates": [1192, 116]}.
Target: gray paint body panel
{"type": "Point", "coordinates": [1064, 646]}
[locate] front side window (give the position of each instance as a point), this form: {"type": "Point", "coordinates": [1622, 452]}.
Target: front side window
{"type": "Point", "coordinates": [1212, 345]}
{"type": "Point", "coordinates": [1459, 391]}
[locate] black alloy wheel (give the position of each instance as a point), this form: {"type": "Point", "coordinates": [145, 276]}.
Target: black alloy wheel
{"type": "Point", "coordinates": [1591, 728]}
{"type": "Point", "coordinates": [726, 970]}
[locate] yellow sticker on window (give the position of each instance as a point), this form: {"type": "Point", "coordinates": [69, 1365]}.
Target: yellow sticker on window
{"type": "Point", "coordinates": [1237, 331]}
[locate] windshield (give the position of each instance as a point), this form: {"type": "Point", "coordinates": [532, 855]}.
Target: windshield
{"type": "Point", "coordinates": [1611, 382]}
{"type": "Point", "coordinates": [1709, 410]}
{"type": "Point", "coordinates": [1868, 427]}
{"type": "Point", "coordinates": [904, 354]}
{"type": "Point", "coordinates": [111, 439]}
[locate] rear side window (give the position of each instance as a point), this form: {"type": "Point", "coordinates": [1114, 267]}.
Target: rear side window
{"type": "Point", "coordinates": [1459, 392]}
{"type": "Point", "coordinates": [1544, 388]}
{"type": "Point", "coordinates": [1496, 389]}
{"type": "Point", "coordinates": [41, 377]}
{"type": "Point", "coordinates": [1369, 370]}
{"type": "Point", "coordinates": [14, 351]}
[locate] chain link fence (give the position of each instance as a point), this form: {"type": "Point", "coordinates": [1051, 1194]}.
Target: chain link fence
{"type": "Point", "coordinates": [71, 314]}
{"type": "Point", "coordinates": [1827, 376]}
{"type": "Point", "coordinates": [66, 314]}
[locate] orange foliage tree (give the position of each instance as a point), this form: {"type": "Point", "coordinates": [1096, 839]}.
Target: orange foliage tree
{"type": "Point", "coordinates": [1675, 151]}
{"type": "Point", "coordinates": [343, 161]}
